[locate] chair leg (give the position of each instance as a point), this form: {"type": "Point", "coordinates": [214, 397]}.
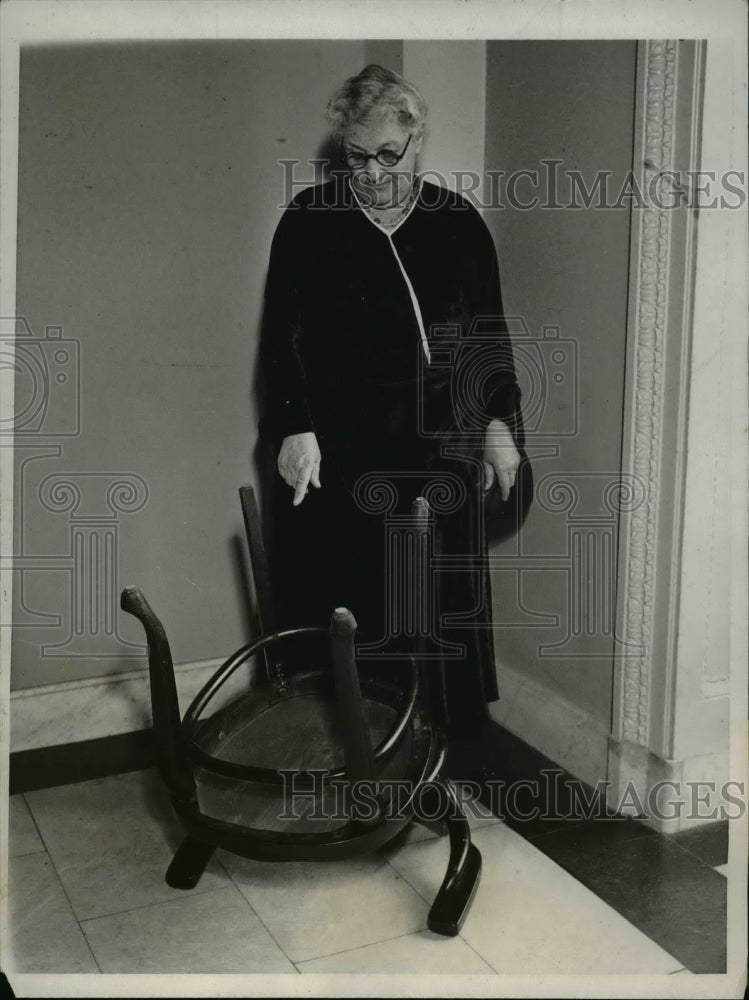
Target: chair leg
{"type": "Point", "coordinates": [452, 902]}
{"type": "Point", "coordinates": [171, 756]}
{"type": "Point", "coordinates": [432, 813]}
{"type": "Point", "coordinates": [189, 863]}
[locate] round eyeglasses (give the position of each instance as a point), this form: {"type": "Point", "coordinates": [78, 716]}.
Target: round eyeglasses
{"type": "Point", "coordinates": [385, 157]}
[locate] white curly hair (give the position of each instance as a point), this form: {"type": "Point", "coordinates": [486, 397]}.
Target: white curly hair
{"type": "Point", "coordinates": [373, 92]}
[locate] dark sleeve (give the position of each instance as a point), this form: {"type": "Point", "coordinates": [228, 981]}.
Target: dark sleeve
{"type": "Point", "coordinates": [501, 400]}
{"type": "Point", "coordinates": [489, 348]}
{"type": "Point", "coordinates": [285, 408]}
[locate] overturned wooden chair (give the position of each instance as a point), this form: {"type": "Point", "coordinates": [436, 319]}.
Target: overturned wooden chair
{"type": "Point", "coordinates": [321, 764]}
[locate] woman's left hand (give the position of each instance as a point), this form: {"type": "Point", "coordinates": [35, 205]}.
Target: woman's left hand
{"type": "Point", "coordinates": [501, 458]}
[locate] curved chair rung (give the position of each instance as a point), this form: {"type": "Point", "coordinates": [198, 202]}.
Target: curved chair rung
{"type": "Point", "coordinates": [265, 775]}
{"type": "Point", "coordinates": [227, 668]}
{"type": "Point", "coordinates": [345, 841]}
{"type": "Point", "coordinates": [398, 728]}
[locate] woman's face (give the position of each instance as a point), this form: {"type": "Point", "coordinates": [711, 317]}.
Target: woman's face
{"type": "Point", "coordinates": [379, 186]}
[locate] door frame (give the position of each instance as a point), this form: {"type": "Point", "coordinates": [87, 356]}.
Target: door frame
{"type": "Point", "coordinates": [670, 702]}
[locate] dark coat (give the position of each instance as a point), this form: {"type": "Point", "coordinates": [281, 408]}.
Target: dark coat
{"type": "Point", "coordinates": [392, 348]}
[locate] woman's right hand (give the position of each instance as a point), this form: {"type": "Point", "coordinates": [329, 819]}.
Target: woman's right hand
{"type": "Point", "coordinates": [299, 463]}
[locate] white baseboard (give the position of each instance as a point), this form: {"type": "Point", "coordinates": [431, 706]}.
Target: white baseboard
{"type": "Point", "coordinates": [581, 744]}
{"type": "Point", "coordinates": [675, 795]}
{"type": "Point", "coordinates": [549, 723]}
{"type": "Point", "coordinates": [95, 707]}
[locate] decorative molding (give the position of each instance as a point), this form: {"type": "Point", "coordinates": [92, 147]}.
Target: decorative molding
{"type": "Point", "coordinates": [648, 385]}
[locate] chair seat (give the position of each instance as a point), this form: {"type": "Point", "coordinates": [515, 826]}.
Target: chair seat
{"type": "Point", "coordinates": [299, 732]}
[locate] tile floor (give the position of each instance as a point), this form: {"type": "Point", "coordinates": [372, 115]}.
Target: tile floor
{"type": "Point", "coordinates": [87, 894]}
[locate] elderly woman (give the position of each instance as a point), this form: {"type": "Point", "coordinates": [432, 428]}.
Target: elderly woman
{"type": "Point", "coordinates": [385, 355]}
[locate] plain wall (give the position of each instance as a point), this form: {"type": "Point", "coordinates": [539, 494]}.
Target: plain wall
{"type": "Point", "coordinates": [571, 101]}
{"type": "Point", "coordinates": [451, 76]}
{"type": "Point", "coordinates": [149, 190]}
